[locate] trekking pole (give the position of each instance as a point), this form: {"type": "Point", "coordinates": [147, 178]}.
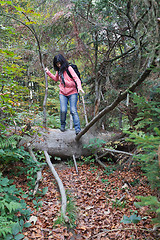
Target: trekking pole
{"type": "Point", "coordinates": [85, 113]}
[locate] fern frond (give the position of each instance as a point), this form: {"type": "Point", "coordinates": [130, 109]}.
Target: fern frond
{"type": "Point", "coordinates": [11, 141]}
{"type": "Point", "coordinates": [5, 226]}
{"type": "Point", "coordinates": [11, 206]}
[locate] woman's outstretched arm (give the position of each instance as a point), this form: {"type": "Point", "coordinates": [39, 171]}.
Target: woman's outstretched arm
{"type": "Point", "coordinates": [54, 77]}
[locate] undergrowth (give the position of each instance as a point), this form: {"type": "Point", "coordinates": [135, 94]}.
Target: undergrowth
{"type": "Point", "coordinates": [14, 212]}
{"type": "Point", "coordinates": [71, 211]}
{"type": "Point", "coordinates": [146, 136]}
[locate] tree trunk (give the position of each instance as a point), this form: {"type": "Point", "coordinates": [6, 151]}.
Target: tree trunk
{"type": "Point", "coordinates": [63, 144]}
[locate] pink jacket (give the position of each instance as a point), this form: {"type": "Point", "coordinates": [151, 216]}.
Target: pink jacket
{"type": "Point", "coordinates": [70, 86]}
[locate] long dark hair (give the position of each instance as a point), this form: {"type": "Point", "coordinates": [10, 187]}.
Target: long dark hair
{"type": "Point", "coordinates": [64, 63]}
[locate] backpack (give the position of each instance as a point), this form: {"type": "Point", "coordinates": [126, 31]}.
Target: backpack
{"type": "Point", "coordinates": [75, 68]}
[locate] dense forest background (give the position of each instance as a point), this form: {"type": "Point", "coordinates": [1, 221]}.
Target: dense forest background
{"type": "Point", "coordinates": [116, 46]}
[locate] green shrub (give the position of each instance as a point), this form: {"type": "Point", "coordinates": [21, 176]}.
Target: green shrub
{"type": "Point", "coordinates": [132, 219]}
{"type": "Point", "coordinates": [9, 152]}
{"type": "Point", "coordinates": [71, 213]}
{"type": "Point", "coordinates": [95, 144]}
{"type": "Point", "coordinates": [153, 204]}
{"type": "Point", "coordinates": [13, 210]}
{"type": "Point", "coordinates": [146, 136]}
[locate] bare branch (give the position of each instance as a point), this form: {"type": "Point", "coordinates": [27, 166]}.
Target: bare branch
{"type": "Point", "coordinates": [100, 163]}
{"type": "Point", "coordinates": [45, 101]}
{"type": "Point", "coordinates": [122, 55]}
{"type": "Point", "coordinates": [61, 187]}
{"type": "Point", "coordinates": [114, 151]}
{"type": "Point", "coordinates": [141, 18]}
{"type": "Point", "coordinates": [75, 163]}
{"type": "Point", "coordinates": [39, 173]}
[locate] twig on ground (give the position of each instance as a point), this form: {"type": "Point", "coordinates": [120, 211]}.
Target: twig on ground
{"type": "Point", "coordinates": [106, 231]}
{"type": "Point", "coordinates": [114, 151]}
{"type": "Point", "coordinates": [97, 160]}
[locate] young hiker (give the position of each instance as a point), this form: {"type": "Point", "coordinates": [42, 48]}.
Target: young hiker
{"type": "Point", "coordinates": [68, 90]}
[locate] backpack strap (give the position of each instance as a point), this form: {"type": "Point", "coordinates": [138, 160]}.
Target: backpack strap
{"type": "Point", "coordinates": [70, 75]}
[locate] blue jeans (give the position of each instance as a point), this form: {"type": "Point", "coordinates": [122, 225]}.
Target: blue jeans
{"type": "Point", "coordinates": [73, 98]}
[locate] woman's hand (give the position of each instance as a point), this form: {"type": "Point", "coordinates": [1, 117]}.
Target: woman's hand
{"type": "Point", "coordinates": [46, 69]}
{"type": "Point", "coordinates": [80, 90]}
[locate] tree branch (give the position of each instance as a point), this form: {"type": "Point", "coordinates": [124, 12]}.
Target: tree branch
{"type": "Point", "coordinates": [114, 151]}
{"type": "Point", "coordinates": [61, 187]}
{"type": "Point", "coordinates": [106, 231]}
{"type": "Point", "coordinates": [39, 173]}
{"type": "Point", "coordinates": [122, 55]}
{"type": "Point", "coordinates": [99, 161]}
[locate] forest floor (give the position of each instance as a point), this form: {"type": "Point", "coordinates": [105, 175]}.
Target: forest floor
{"type": "Point", "coordinates": [98, 201]}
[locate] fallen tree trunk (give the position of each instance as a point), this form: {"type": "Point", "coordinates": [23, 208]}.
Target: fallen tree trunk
{"type": "Point", "coordinates": [63, 144]}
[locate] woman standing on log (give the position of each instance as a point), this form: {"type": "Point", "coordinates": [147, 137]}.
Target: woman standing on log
{"type": "Point", "coordinates": [68, 90]}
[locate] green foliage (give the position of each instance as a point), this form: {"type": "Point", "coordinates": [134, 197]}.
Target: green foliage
{"type": "Point", "coordinates": [135, 182]}
{"type": "Point", "coordinates": [31, 167]}
{"type": "Point", "coordinates": [132, 219]}
{"type": "Point", "coordinates": [71, 213]}
{"type": "Point", "coordinates": [44, 190]}
{"type": "Point", "coordinates": [11, 141]}
{"type": "Point", "coordinates": [70, 162]}
{"type": "Point", "coordinates": [11, 223]}
{"type": "Point", "coordinates": [107, 183]}
{"type": "Point", "coordinates": [146, 136]}
{"type": "Point", "coordinates": [37, 204]}
{"type": "Point", "coordinates": [109, 170]}
{"type": "Point", "coordinates": [89, 159]}
{"type": "Point", "coordinates": [10, 155]}
{"type": "Point", "coordinates": [9, 152]}
{"type": "Point", "coordinates": [117, 203]}
{"type": "Point", "coordinates": [95, 144]}
{"type": "Point", "coordinates": [71, 210]}
{"type": "Point", "coordinates": [148, 116]}
{"type": "Point", "coordinates": [5, 226]}
{"type": "Point", "coordinates": [11, 206]}
{"type": "Point", "coordinates": [53, 121]}
{"type": "Point", "coordinates": [153, 204]}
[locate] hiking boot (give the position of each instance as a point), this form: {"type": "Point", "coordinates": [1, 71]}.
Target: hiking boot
{"type": "Point", "coordinates": [62, 129]}
{"type": "Point", "coordinates": [77, 132]}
